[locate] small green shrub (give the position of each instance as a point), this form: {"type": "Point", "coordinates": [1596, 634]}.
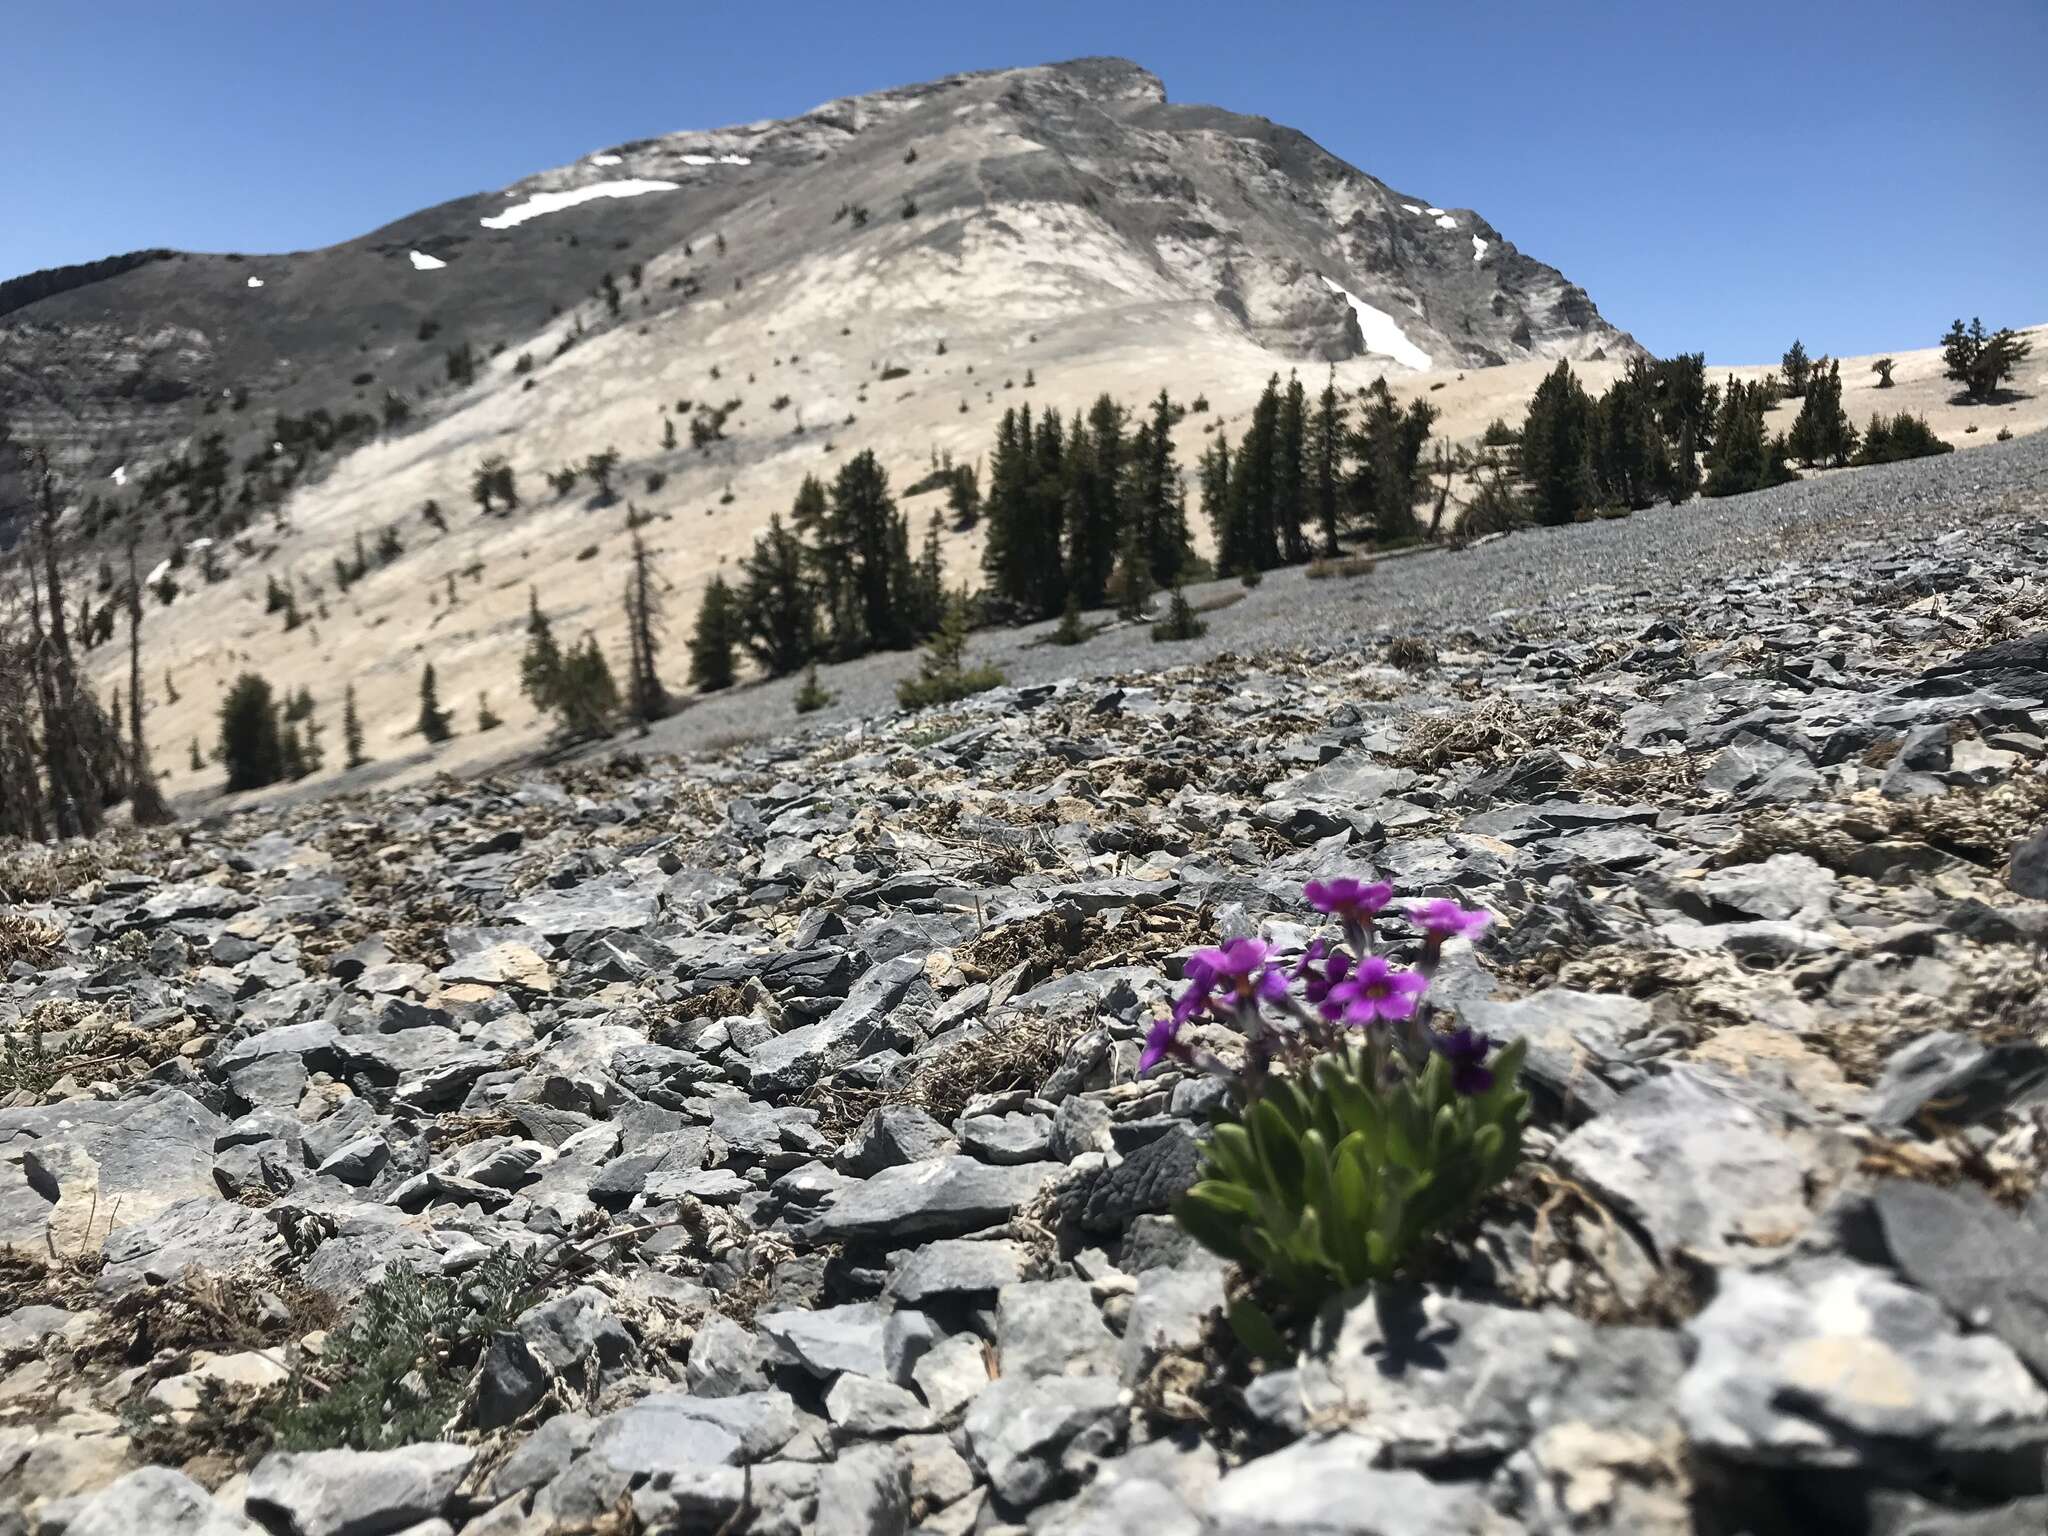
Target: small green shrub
{"type": "Point", "coordinates": [1180, 622]}
{"type": "Point", "coordinates": [400, 1369]}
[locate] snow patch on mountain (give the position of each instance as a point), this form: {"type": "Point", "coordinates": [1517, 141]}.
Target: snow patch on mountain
{"type": "Point", "coordinates": [255, 282]}
{"type": "Point", "coordinates": [422, 262]}
{"type": "Point", "coordinates": [607, 159]}
{"type": "Point", "coordinates": [715, 160]}
{"type": "Point", "coordinates": [1478, 249]}
{"type": "Point", "coordinates": [542, 203]}
{"type": "Point", "coordinates": [1382, 334]}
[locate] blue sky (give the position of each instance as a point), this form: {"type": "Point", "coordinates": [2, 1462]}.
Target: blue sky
{"type": "Point", "coordinates": [1719, 177]}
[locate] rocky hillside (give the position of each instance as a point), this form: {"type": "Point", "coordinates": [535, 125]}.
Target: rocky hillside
{"type": "Point", "coordinates": [888, 272]}
{"type": "Point", "coordinates": [1068, 195]}
{"type": "Point", "coordinates": [757, 1143]}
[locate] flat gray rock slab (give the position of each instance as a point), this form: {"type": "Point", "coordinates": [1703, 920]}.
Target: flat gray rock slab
{"type": "Point", "coordinates": [940, 1197]}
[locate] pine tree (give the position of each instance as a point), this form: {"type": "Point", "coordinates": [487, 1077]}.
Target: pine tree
{"type": "Point", "coordinates": [600, 467]}
{"type": "Point", "coordinates": [1155, 498]}
{"type": "Point", "coordinates": [1070, 630]}
{"type": "Point", "coordinates": [586, 698]}
{"type": "Point", "coordinates": [943, 674]}
{"type": "Point", "coordinates": [250, 746]}
{"type": "Point", "coordinates": [1883, 369]}
{"type": "Point", "coordinates": [1387, 479]}
{"type": "Point", "coordinates": [351, 729]}
{"type": "Point", "coordinates": [1131, 585]}
{"type": "Point", "coordinates": [1094, 476]}
{"type": "Point", "coordinates": [1219, 508]}
{"type": "Point", "coordinates": [646, 699]}
{"type": "Point", "coordinates": [1557, 448]}
{"type": "Point", "coordinates": [540, 667]}
{"type": "Point", "coordinates": [486, 718]}
{"type": "Point", "coordinates": [877, 538]}
{"type": "Point", "coordinates": [1797, 370]}
{"type": "Point", "coordinates": [812, 695]}
{"type": "Point", "coordinates": [777, 604]}
{"type": "Point", "coordinates": [1982, 362]}
{"type": "Point", "coordinates": [433, 723]}
{"type": "Point", "coordinates": [1291, 478]}
{"type": "Point", "coordinates": [1325, 454]}
{"type": "Point", "coordinates": [1021, 556]}
{"type": "Point", "coordinates": [929, 583]}
{"type": "Point", "coordinates": [1254, 482]}
{"type": "Point", "coordinates": [1822, 433]}
{"type": "Point", "coordinates": [713, 640]}
{"type": "Point", "coordinates": [1181, 621]}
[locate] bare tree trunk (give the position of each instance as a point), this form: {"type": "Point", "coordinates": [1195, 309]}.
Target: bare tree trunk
{"type": "Point", "coordinates": [145, 800]}
{"type": "Point", "coordinates": [74, 797]}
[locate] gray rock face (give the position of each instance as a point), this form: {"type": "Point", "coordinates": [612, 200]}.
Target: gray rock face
{"type": "Point", "coordinates": [156, 1500]}
{"type": "Point", "coordinates": [1695, 1168]}
{"type": "Point", "coordinates": [1445, 1381]}
{"type": "Point", "coordinates": [1018, 1427]}
{"type": "Point", "coordinates": [1330, 1487]}
{"type": "Point", "coordinates": [1988, 1269]}
{"type": "Point", "coordinates": [355, 1493]}
{"type": "Point", "coordinates": [573, 1339]}
{"type": "Point", "coordinates": [956, 1267]}
{"type": "Point", "coordinates": [1829, 1364]}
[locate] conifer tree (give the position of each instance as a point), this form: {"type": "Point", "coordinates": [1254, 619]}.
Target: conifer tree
{"type": "Point", "coordinates": [1797, 370]}
{"type": "Point", "coordinates": [877, 538]}
{"type": "Point", "coordinates": [646, 699]}
{"type": "Point", "coordinates": [1219, 508]}
{"type": "Point", "coordinates": [1325, 455]}
{"type": "Point", "coordinates": [1291, 484]}
{"type": "Point", "coordinates": [600, 467]}
{"type": "Point", "coordinates": [1094, 475]}
{"type": "Point", "coordinates": [713, 639]}
{"type": "Point", "coordinates": [1981, 361]}
{"type": "Point", "coordinates": [1131, 585]}
{"type": "Point", "coordinates": [486, 717]}
{"type": "Point", "coordinates": [929, 583]}
{"type": "Point", "coordinates": [540, 666]}
{"type": "Point", "coordinates": [1157, 501]}
{"type": "Point", "coordinates": [1387, 477]}
{"type": "Point", "coordinates": [1181, 621]}
{"type": "Point", "coordinates": [943, 674]}
{"type": "Point", "coordinates": [434, 723]}
{"type": "Point", "coordinates": [828, 559]}
{"type": "Point", "coordinates": [586, 698]}
{"type": "Point", "coordinates": [1557, 448]}
{"type": "Point", "coordinates": [351, 729]}
{"type": "Point", "coordinates": [1021, 556]}
{"type": "Point", "coordinates": [1822, 433]}
{"type": "Point", "coordinates": [1254, 483]}
{"type": "Point", "coordinates": [251, 748]}
{"type": "Point", "coordinates": [1883, 369]}
{"type": "Point", "coordinates": [777, 605]}
{"type": "Point", "coordinates": [812, 695]}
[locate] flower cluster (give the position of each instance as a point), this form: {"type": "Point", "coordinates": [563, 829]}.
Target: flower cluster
{"type": "Point", "coordinates": [1333, 991]}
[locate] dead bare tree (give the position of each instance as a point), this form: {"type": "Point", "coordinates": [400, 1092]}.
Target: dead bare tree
{"type": "Point", "coordinates": [145, 800]}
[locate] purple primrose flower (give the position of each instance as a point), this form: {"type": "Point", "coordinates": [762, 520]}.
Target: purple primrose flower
{"type": "Point", "coordinates": [1375, 992]}
{"type": "Point", "coordinates": [1465, 1049]}
{"type": "Point", "coordinates": [1349, 900]}
{"type": "Point", "coordinates": [1444, 919]}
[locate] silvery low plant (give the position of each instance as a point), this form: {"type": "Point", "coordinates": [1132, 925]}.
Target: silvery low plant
{"type": "Point", "coordinates": [1354, 1128]}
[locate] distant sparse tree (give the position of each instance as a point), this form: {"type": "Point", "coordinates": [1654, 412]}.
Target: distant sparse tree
{"type": "Point", "coordinates": [1981, 361]}
{"type": "Point", "coordinates": [600, 467]}
{"type": "Point", "coordinates": [351, 729]}
{"type": "Point", "coordinates": [646, 699]}
{"type": "Point", "coordinates": [486, 719]}
{"type": "Point", "coordinates": [1883, 369]}
{"type": "Point", "coordinates": [812, 695]}
{"type": "Point", "coordinates": [145, 799]}
{"type": "Point", "coordinates": [434, 722]}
